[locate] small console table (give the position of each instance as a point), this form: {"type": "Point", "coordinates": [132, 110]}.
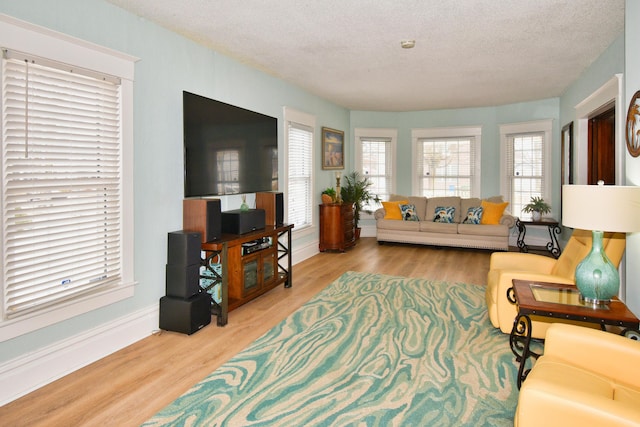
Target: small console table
{"type": "Point", "coordinates": [560, 301]}
{"type": "Point", "coordinates": [553, 247]}
{"type": "Point", "coordinates": [246, 266]}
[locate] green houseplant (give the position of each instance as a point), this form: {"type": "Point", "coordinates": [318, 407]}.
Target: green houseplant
{"type": "Point", "coordinates": [356, 190]}
{"type": "Point", "coordinates": [537, 207]}
{"type": "Point", "coordinates": [330, 194]}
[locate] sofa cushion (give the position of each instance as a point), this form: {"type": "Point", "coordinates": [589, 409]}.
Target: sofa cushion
{"type": "Point", "coordinates": [444, 214]}
{"type": "Point", "coordinates": [392, 209]}
{"type": "Point", "coordinates": [438, 227]}
{"type": "Point", "coordinates": [465, 204]}
{"type": "Point", "coordinates": [408, 212]}
{"type": "Point", "coordinates": [386, 224]}
{"type": "Point", "coordinates": [434, 202]}
{"type": "Point", "coordinates": [483, 230]}
{"type": "Point", "coordinates": [492, 212]}
{"type": "Point", "coordinates": [421, 207]}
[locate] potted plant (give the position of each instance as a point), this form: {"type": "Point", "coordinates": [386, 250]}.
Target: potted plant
{"type": "Point", "coordinates": [537, 207]}
{"type": "Point", "coordinates": [356, 190]}
{"type": "Point", "coordinates": [328, 195]}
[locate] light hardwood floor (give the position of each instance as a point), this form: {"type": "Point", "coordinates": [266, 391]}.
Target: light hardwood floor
{"type": "Point", "coordinates": [131, 385]}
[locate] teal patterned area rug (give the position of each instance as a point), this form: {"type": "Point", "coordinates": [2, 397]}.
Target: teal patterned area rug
{"type": "Point", "coordinates": [369, 350]}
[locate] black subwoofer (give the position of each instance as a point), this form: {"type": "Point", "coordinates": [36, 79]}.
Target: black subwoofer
{"type": "Point", "coordinates": [185, 315]}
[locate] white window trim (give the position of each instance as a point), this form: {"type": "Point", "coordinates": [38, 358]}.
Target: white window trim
{"type": "Point", "coordinates": [526, 127]}
{"type": "Point", "coordinates": [449, 132]}
{"type": "Point", "coordinates": [292, 115]}
{"type": "Point", "coordinates": [390, 133]}
{"type": "Point", "coordinates": [25, 37]}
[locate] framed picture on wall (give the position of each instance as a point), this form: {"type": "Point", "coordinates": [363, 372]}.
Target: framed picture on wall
{"type": "Point", "coordinates": [332, 149]}
{"type": "Point", "coordinates": [566, 168]}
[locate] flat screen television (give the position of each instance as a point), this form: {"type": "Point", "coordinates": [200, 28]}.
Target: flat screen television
{"type": "Point", "coordinates": [227, 149]}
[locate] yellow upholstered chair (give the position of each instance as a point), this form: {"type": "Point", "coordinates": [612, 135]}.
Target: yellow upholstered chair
{"type": "Point", "coordinates": [586, 377]}
{"type": "Point", "coordinates": [506, 266]}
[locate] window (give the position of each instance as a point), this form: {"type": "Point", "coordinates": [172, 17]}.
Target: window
{"type": "Point", "coordinates": [299, 181]}
{"type": "Point", "coordinates": [66, 154]}
{"type": "Point", "coordinates": [374, 156]}
{"type": "Point", "coordinates": [228, 171]}
{"type": "Point", "coordinates": [525, 165]}
{"type": "Point", "coordinates": [447, 161]}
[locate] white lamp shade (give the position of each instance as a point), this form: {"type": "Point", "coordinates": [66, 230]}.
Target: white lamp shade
{"type": "Point", "coordinates": [612, 208]}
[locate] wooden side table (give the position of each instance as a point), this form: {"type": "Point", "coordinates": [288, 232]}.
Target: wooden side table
{"type": "Point", "coordinates": [337, 230]}
{"type": "Point", "coordinates": [553, 247]}
{"type": "Point", "coordinates": [562, 302]}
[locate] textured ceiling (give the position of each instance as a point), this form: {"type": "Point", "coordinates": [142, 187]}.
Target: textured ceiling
{"type": "Point", "coordinates": [468, 53]}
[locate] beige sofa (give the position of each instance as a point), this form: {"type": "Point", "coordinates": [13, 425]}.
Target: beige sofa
{"type": "Point", "coordinates": [456, 234]}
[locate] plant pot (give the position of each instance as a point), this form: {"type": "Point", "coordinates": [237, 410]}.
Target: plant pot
{"type": "Point", "coordinates": [536, 216]}
{"type": "Point", "coordinates": [357, 233]}
{"type": "Point", "coordinates": [327, 199]}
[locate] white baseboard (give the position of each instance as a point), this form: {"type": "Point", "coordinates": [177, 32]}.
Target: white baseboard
{"type": "Point", "coordinates": [307, 251]}
{"type": "Point", "coordinates": [29, 372]}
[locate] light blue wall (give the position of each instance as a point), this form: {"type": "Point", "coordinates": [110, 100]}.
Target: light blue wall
{"type": "Point", "coordinates": [489, 118]}
{"type": "Point", "coordinates": [168, 65]}
{"type": "Point", "coordinates": [632, 84]}
{"type": "Point", "coordinates": [610, 63]}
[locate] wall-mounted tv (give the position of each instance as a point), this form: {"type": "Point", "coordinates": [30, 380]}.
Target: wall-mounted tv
{"type": "Point", "coordinates": [227, 149]}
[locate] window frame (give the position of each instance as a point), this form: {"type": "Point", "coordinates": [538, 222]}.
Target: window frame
{"type": "Point", "coordinates": [291, 115]}
{"type": "Point", "coordinates": [38, 41]}
{"type": "Point", "coordinates": [390, 134]}
{"type": "Point", "coordinates": [474, 132]}
{"type": "Point", "coordinates": [508, 130]}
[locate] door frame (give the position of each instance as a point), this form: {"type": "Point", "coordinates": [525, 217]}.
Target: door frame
{"type": "Point", "coordinates": [612, 92]}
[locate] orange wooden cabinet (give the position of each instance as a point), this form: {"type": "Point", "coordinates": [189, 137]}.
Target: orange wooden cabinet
{"type": "Point", "coordinates": [337, 231]}
{"type": "Point", "coordinates": [248, 274]}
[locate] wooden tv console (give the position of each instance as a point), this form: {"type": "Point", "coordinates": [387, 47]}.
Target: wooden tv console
{"type": "Point", "coordinates": [248, 271]}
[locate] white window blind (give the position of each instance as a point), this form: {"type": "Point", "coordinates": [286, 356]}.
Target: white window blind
{"type": "Point", "coordinates": [61, 185]}
{"type": "Point", "coordinates": [376, 158]}
{"type": "Point", "coordinates": [525, 169]}
{"type": "Point", "coordinates": [299, 192]}
{"type": "Point", "coordinates": [446, 166]}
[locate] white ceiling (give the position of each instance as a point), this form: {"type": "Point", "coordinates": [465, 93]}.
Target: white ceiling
{"type": "Point", "coordinates": [468, 53]}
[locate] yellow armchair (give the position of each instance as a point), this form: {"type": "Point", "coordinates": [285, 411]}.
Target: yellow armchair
{"type": "Point", "coordinates": [506, 266]}
{"type": "Point", "coordinates": [586, 377]}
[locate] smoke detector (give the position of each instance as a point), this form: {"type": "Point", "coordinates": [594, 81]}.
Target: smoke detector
{"type": "Point", "coordinates": [407, 44]}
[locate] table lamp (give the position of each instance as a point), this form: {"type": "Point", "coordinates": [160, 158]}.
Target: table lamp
{"type": "Point", "coordinates": [600, 208]}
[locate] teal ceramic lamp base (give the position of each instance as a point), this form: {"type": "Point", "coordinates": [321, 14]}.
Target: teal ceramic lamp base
{"type": "Point", "coordinates": [597, 278]}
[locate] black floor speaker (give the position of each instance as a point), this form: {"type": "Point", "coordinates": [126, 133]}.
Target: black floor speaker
{"type": "Point", "coordinates": [185, 315]}
{"type": "Point", "coordinates": [183, 248]}
{"type": "Point", "coordinates": [273, 204]}
{"type": "Point", "coordinates": [203, 216]}
{"type": "Point", "coordinates": [182, 281]}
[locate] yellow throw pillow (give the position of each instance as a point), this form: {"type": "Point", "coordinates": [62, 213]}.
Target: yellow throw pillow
{"type": "Point", "coordinates": [392, 209]}
{"type": "Point", "coordinates": [492, 212]}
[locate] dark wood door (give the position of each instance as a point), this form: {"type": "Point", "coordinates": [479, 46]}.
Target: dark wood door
{"type": "Point", "coordinates": [602, 154]}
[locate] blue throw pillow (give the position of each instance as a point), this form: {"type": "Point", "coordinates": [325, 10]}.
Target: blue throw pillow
{"type": "Point", "coordinates": [444, 214]}
{"type": "Point", "coordinates": [409, 213]}
{"type": "Point", "coordinates": [474, 215]}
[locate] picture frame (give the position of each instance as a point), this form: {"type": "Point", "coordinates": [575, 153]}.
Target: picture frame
{"type": "Point", "coordinates": [566, 167]}
{"type": "Point", "coordinates": [332, 149]}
